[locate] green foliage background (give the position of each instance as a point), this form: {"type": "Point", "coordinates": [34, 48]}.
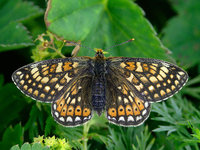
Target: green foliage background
{"type": "Point", "coordinates": [167, 30]}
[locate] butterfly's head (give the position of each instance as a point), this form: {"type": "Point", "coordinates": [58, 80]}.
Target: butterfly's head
{"type": "Point", "coordinates": [99, 53]}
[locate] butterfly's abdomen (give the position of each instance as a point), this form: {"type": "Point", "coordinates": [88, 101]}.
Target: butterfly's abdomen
{"type": "Point", "coordinates": [98, 87]}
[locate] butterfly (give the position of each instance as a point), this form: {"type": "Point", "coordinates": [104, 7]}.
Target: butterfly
{"type": "Point", "coordinates": [122, 87]}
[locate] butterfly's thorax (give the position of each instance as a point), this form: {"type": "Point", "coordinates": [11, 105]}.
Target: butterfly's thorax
{"type": "Point", "coordinates": [98, 83]}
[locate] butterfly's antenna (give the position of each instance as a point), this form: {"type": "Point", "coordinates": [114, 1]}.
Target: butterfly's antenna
{"type": "Point", "coordinates": [120, 44]}
{"type": "Point", "coordinates": [78, 44]}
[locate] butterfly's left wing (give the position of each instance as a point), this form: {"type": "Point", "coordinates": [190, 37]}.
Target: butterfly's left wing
{"type": "Point", "coordinates": [47, 80]}
{"type": "Point", "coordinates": [74, 107]}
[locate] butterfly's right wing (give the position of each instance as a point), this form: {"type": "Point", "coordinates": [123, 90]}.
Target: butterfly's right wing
{"type": "Point", "coordinates": [48, 80]}
{"type": "Point", "coordinates": [123, 107]}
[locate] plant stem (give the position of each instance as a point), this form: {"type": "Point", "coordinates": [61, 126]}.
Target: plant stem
{"type": "Point", "coordinates": [85, 139]}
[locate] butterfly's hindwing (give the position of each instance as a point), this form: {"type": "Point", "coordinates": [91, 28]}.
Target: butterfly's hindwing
{"type": "Point", "coordinates": [48, 80]}
{"type": "Point", "coordinates": [152, 80]}
{"type": "Point", "coordinates": [74, 107]}
{"type": "Point", "coordinates": [123, 106]}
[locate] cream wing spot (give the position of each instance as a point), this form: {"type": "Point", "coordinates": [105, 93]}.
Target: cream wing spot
{"type": "Point", "coordinates": [73, 101]}
{"type": "Point", "coordinates": [25, 87]}
{"type": "Point", "coordinates": [139, 87]}
{"type": "Point", "coordinates": [40, 86]}
{"type": "Point", "coordinates": [67, 77]}
{"type": "Point", "coordinates": [30, 90]}
{"type": "Point", "coordinates": [146, 104]}
{"type": "Point", "coordinates": [168, 81]}
{"type": "Point", "coordinates": [159, 78]}
{"type": "Point", "coordinates": [38, 78]}
{"type": "Point", "coordinates": [139, 67]}
{"type": "Point", "coordinates": [77, 119]}
{"type": "Point", "coordinates": [125, 100]}
{"type": "Point", "coordinates": [21, 82]}
{"type": "Point", "coordinates": [130, 78]}
{"type": "Point", "coordinates": [119, 98]}
{"type": "Point", "coordinates": [54, 106]}
{"type": "Point", "coordinates": [123, 65]}
{"type": "Point", "coordinates": [62, 119]}
{"type": "Point", "coordinates": [45, 80]}
{"type": "Point", "coordinates": [164, 69]}
{"type": "Point", "coordinates": [47, 88]}
{"type": "Point", "coordinates": [52, 92]}
{"type": "Point", "coordinates": [121, 118]}
{"type": "Point", "coordinates": [173, 87]}
{"type": "Point", "coordinates": [162, 74]}
{"type": "Point", "coordinates": [176, 82]}
{"type": "Point", "coordinates": [162, 93]}
{"type": "Point", "coordinates": [75, 64]}
{"type": "Point", "coordinates": [156, 95]}
{"type": "Point", "coordinates": [36, 75]}
{"type": "Point", "coordinates": [79, 99]}
{"type": "Point", "coordinates": [130, 98]}
{"type": "Point", "coordinates": [29, 81]}
{"type": "Point", "coordinates": [18, 72]}
{"type": "Point", "coordinates": [181, 73]}
{"type": "Point", "coordinates": [144, 112]}
{"type": "Point", "coordinates": [68, 100]}
{"type": "Point", "coordinates": [57, 86]}
{"type": "Point", "coordinates": [59, 67]}
{"type": "Point", "coordinates": [153, 79]}
{"type": "Point", "coordinates": [36, 92]}
{"type": "Point", "coordinates": [21, 76]}
{"type": "Point", "coordinates": [60, 88]}
{"type": "Point", "coordinates": [178, 77]}
{"type": "Point", "coordinates": [130, 118]}
{"type": "Point", "coordinates": [151, 88]}
{"type": "Point", "coordinates": [27, 76]}
{"type": "Point", "coordinates": [34, 70]}
{"type": "Point", "coordinates": [56, 114]}
{"type": "Point", "coordinates": [53, 80]}
{"type": "Point", "coordinates": [158, 85]}
{"type": "Point", "coordinates": [42, 95]}
{"type": "Point", "coordinates": [138, 118]}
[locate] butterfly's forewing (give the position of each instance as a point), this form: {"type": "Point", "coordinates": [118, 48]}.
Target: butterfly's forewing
{"type": "Point", "coordinates": [48, 80]}
{"type": "Point", "coordinates": [123, 106]}
{"type": "Point", "coordinates": [150, 79]}
{"type": "Point", "coordinates": [74, 107]}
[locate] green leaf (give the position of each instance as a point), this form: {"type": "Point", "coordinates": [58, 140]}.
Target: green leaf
{"type": "Point", "coordinates": [26, 146]}
{"type": "Point", "coordinates": [12, 101]}
{"type": "Point", "coordinates": [182, 33]}
{"type": "Point", "coordinates": [102, 23]}
{"type": "Point", "coordinates": [35, 122]}
{"type": "Point", "coordinates": [15, 35]}
{"type": "Point", "coordinates": [16, 147]}
{"type": "Point", "coordinates": [170, 129]}
{"type": "Point", "coordinates": [38, 146]}
{"type": "Point", "coordinates": [12, 136]}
